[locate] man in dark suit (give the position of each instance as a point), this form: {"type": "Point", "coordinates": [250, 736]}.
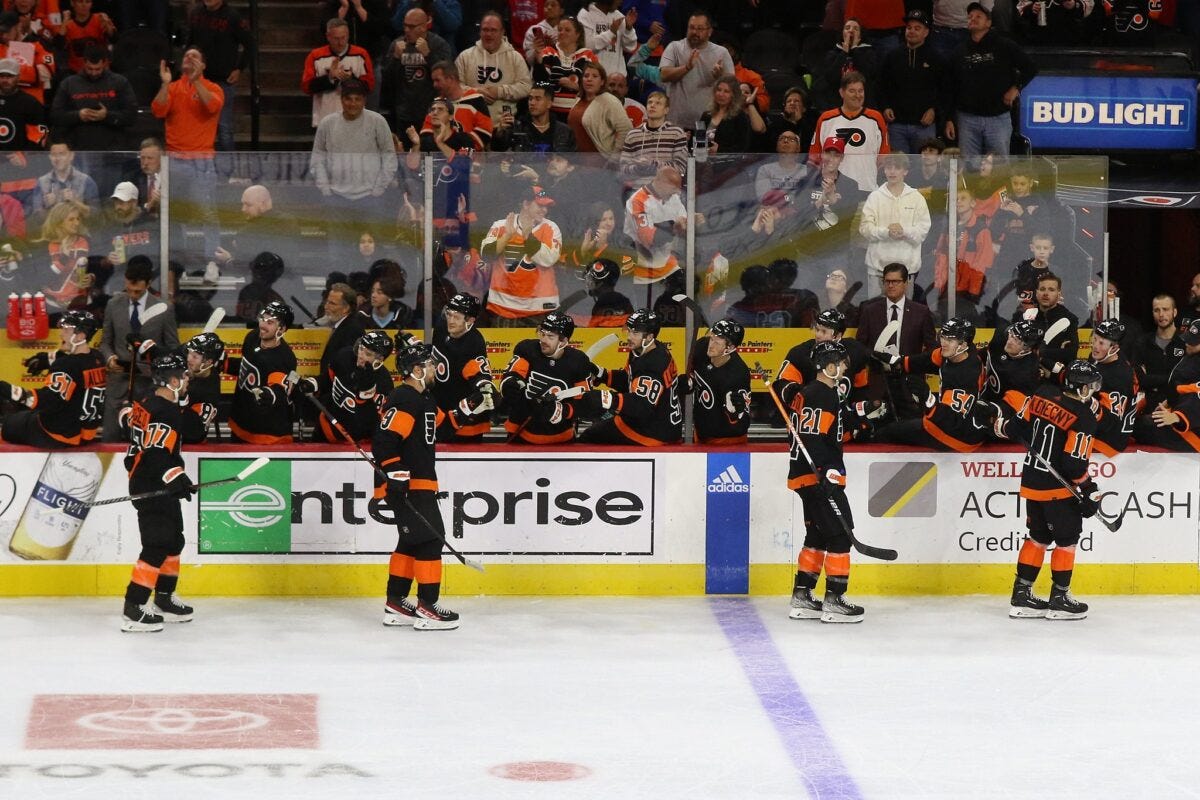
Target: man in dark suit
{"type": "Point", "coordinates": [916, 336]}
{"type": "Point", "coordinates": [341, 303]}
{"type": "Point", "coordinates": [123, 334]}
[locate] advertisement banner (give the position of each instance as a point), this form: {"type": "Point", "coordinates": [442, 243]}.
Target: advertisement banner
{"type": "Point", "coordinates": [1110, 112]}
{"type": "Point", "coordinates": [727, 523]}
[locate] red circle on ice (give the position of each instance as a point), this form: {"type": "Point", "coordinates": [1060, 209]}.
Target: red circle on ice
{"type": "Point", "coordinates": [540, 771]}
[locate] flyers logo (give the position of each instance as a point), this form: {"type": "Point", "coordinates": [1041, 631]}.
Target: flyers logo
{"type": "Point", "coordinates": [488, 74]}
{"type": "Point", "coordinates": [8, 130]}
{"type": "Point", "coordinates": [853, 137]}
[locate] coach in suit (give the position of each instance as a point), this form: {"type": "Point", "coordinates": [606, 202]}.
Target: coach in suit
{"type": "Point", "coordinates": [120, 321]}
{"type": "Point", "coordinates": [916, 334]}
{"type": "Point", "coordinates": [341, 307]}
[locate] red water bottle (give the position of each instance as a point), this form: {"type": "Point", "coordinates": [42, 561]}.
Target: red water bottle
{"type": "Point", "coordinates": [41, 316]}
{"type": "Point", "coordinates": [26, 322]}
{"type": "Point", "coordinates": [14, 316]}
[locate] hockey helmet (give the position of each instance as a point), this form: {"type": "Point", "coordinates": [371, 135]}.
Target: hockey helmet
{"type": "Point", "coordinates": [556, 322]}
{"type": "Point", "coordinates": [1027, 332]}
{"type": "Point", "coordinates": [1111, 329]}
{"type": "Point", "coordinates": [208, 345]}
{"type": "Point", "coordinates": [644, 320]}
{"type": "Point", "coordinates": [728, 330]}
{"type": "Point", "coordinates": [278, 311]}
{"type": "Point", "coordinates": [1080, 375]}
{"type": "Point", "coordinates": [266, 267]}
{"type": "Point", "coordinates": [81, 321]}
{"type": "Point", "coordinates": [958, 328]}
{"type": "Point", "coordinates": [412, 354]}
{"type": "Point", "coordinates": [825, 353]}
{"type": "Point", "coordinates": [833, 319]}
{"type": "Point", "coordinates": [376, 342]}
{"type": "Point", "coordinates": [163, 368]}
{"type": "Point", "coordinates": [1191, 334]}
{"type": "Point", "coordinates": [601, 272]}
{"type": "Point", "coordinates": [465, 304]}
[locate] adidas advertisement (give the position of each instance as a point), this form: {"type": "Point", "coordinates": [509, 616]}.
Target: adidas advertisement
{"type": "Point", "coordinates": [727, 523]}
{"type": "Point", "coordinates": [728, 480]}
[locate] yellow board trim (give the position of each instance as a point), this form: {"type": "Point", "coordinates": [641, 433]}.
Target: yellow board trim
{"type": "Point", "coordinates": [369, 580]}
{"type": "Point", "coordinates": [903, 499]}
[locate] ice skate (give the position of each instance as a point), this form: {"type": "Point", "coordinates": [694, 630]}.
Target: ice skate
{"type": "Point", "coordinates": [836, 609]}
{"type": "Point", "coordinates": [399, 613]}
{"type": "Point", "coordinates": [139, 619]}
{"type": "Point", "coordinates": [804, 605]}
{"type": "Point", "coordinates": [434, 618]}
{"type": "Point", "coordinates": [1024, 605]}
{"type": "Point", "coordinates": [1064, 606]}
{"type": "Point", "coordinates": [172, 608]}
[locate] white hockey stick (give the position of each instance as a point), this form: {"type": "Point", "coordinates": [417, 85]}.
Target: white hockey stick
{"type": "Point", "coordinates": [1055, 330]}
{"type": "Point", "coordinates": [601, 345]}
{"type": "Point", "coordinates": [152, 312]}
{"type": "Point", "coordinates": [214, 319]}
{"type": "Point", "coordinates": [245, 472]}
{"type": "Point", "coordinates": [889, 330]}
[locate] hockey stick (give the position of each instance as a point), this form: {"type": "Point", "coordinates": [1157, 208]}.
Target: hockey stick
{"type": "Point", "coordinates": [692, 306]}
{"type": "Point", "coordinates": [599, 346]}
{"type": "Point", "coordinates": [1004, 292]}
{"type": "Point", "coordinates": [881, 553]}
{"type": "Point", "coordinates": [571, 299]}
{"type": "Point", "coordinates": [302, 307]}
{"type": "Point", "coordinates": [214, 319]}
{"type": "Point", "coordinates": [889, 330]}
{"type": "Point", "coordinates": [151, 312]}
{"type": "Point", "coordinates": [1054, 330]}
{"type": "Point", "coordinates": [246, 471]}
{"type": "Point", "coordinates": [350, 439]}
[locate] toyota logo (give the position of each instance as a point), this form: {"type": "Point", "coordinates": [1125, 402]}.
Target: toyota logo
{"type": "Point", "coordinates": [172, 721]}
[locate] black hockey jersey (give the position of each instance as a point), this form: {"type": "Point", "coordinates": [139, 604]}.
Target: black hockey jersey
{"type": "Point", "coordinates": [204, 394]}
{"type": "Point", "coordinates": [646, 407]}
{"type": "Point", "coordinates": [799, 369]}
{"type": "Point", "coordinates": [530, 377]}
{"type": "Point", "coordinates": [950, 420]}
{"type": "Point", "coordinates": [1061, 430]}
{"type": "Point", "coordinates": [267, 420]}
{"type": "Point", "coordinates": [816, 419]}
{"type": "Point", "coordinates": [714, 391]}
{"type": "Point", "coordinates": [1118, 402]}
{"type": "Point", "coordinates": [157, 429]}
{"type": "Point", "coordinates": [461, 369]}
{"type": "Point", "coordinates": [406, 438]}
{"type": "Point", "coordinates": [1156, 365]}
{"type": "Point", "coordinates": [1008, 379]}
{"type": "Point", "coordinates": [70, 405]}
{"type": "Point", "coordinates": [1184, 380]}
{"type": "Point", "coordinates": [354, 394]}
{"type": "Point", "coordinates": [1064, 348]}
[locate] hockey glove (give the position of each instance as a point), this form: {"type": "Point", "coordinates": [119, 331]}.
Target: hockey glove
{"type": "Point", "coordinates": [307, 385]}
{"type": "Point", "coordinates": [685, 384]}
{"type": "Point", "coordinates": [263, 396]}
{"type": "Point", "coordinates": [870, 409]}
{"type": "Point", "coordinates": [888, 361]}
{"type": "Point", "coordinates": [788, 393]}
{"type": "Point", "coordinates": [38, 363]}
{"type": "Point", "coordinates": [597, 402]}
{"type": "Point", "coordinates": [16, 394]}
{"type": "Point", "coordinates": [476, 403]}
{"type": "Point", "coordinates": [397, 482]}
{"type": "Point", "coordinates": [1029, 314]}
{"type": "Point", "coordinates": [1089, 500]}
{"type": "Point", "coordinates": [923, 397]}
{"type": "Point", "coordinates": [833, 476]}
{"type": "Point", "coordinates": [179, 483]}
{"type": "Point", "coordinates": [599, 374]}
{"type": "Point", "coordinates": [207, 413]}
{"type": "Point", "coordinates": [735, 404]}
{"type": "Point", "coordinates": [556, 414]}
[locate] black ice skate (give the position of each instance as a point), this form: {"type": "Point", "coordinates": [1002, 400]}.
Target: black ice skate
{"type": "Point", "coordinates": [434, 618]}
{"type": "Point", "coordinates": [1024, 605]}
{"type": "Point", "coordinates": [1064, 606]}
{"type": "Point", "coordinates": [399, 613]}
{"type": "Point", "coordinates": [139, 619]}
{"type": "Point", "coordinates": [804, 605]}
{"type": "Point", "coordinates": [836, 609]}
{"type": "Point", "coordinates": [172, 608]}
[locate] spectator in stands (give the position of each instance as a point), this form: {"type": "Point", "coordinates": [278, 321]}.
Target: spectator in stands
{"type": "Point", "coordinates": [447, 16]}
{"type": "Point", "coordinates": [223, 36]}
{"type": "Point", "coordinates": [327, 67]}
{"type": "Point", "coordinates": [730, 122]}
{"type": "Point", "coordinates": [839, 294]}
{"type": "Point", "coordinates": [66, 241]}
{"type": "Point", "coordinates": [829, 199]}
{"type": "Point", "coordinates": [795, 117]}
{"type": "Point", "coordinates": [155, 14]}
{"type": "Point", "coordinates": [911, 85]}
{"type": "Point", "coordinates": [618, 86]}
{"type": "Point", "coordinates": [862, 130]}
{"type": "Point", "coordinates": [1160, 349]}
{"type": "Point", "coordinates": [849, 54]}
{"type": "Point", "coordinates": [386, 309]}
{"type": "Point", "coordinates": [82, 30]}
{"type": "Point", "coordinates": [20, 112]}
{"type": "Point", "coordinates": [690, 67]}
{"type": "Point", "coordinates": [974, 254]}
{"type": "Point", "coordinates": [125, 229]}
{"type": "Point", "coordinates": [470, 109]}
{"type": "Point", "coordinates": [895, 221]}
{"type": "Point", "coordinates": [535, 132]}
{"type": "Point", "coordinates": [1132, 23]}
{"type": "Point", "coordinates": [440, 134]}
{"type": "Point", "coordinates": [38, 21]}
{"type": "Point", "coordinates": [407, 80]}
{"type": "Point", "coordinates": [1066, 22]}
{"type": "Point", "coordinates": [786, 172]}
{"type": "Point", "coordinates": [543, 33]}
{"type": "Point", "coordinates": [648, 73]}
{"type": "Point", "coordinates": [37, 71]}
{"type": "Point", "coordinates": [523, 251]}
{"type": "Point", "coordinates": [1028, 272]}
{"type": "Point", "coordinates": [609, 33]}
{"type": "Point", "coordinates": [601, 239]}
{"type": "Point", "coordinates": [1021, 211]}
{"type": "Point", "coordinates": [598, 119]}
{"type": "Point", "coordinates": [655, 219]}
{"type": "Point", "coordinates": [262, 229]}
{"type": "Point", "coordinates": [147, 177]}
{"type": "Point", "coordinates": [191, 107]}
{"type": "Point", "coordinates": [986, 74]}
{"type": "Point", "coordinates": [762, 98]}
{"type": "Point", "coordinates": [932, 174]}
{"type": "Point", "coordinates": [881, 20]}
{"type": "Point", "coordinates": [653, 144]}
{"type": "Point", "coordinates": [353, 161]}
{"type": "Point", "coordinates": [494, 68]}
{"type": "Point", "coordinates": [369, 22]}
{"type": "Point", "coordinates": [62, 182]}
{"type": "Point", "coordinates": [562, 64]}
{"type": "Point", "coordinates": [94, 108]}
{"type": "Point", "coordinates": [950, 24]}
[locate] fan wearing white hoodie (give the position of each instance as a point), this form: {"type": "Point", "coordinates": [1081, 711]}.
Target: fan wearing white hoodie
{"type": "Point", "coordinates": [609, 34]}
{"type": "Point", "coordinates": [494, 69]}
{"type": "Point", "coordinates": [895, 221]}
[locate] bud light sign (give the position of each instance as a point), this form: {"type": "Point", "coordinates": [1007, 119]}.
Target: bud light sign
{"type": "Point", "coordinates": [1110, 112]}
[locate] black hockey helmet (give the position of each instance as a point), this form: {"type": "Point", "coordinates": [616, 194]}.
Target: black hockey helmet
{"type": "Point", "coordinates": [728, 330]}
{"type": "Point", "coordinates": [958, 328]}
{"type": "Point", "coordinates": [465, 304]}
{"type": "Point", "coordinates": [601, 272]}
{"type": "Point", "coordinates": [833, 319]}
{"type": "Point", "coordinates": [411, 355]}
{"type": "Point", "coordinates": [266, 267]}
{"type": "Point", "coordinates": [1027, 332]}
{"type": "Point", "coordinates": [81, 321]}
{"type": "Point", "coordinates": [1111, 329]}
{"type": "Point", "coordinates": [1080, 375]}
{"type": "Point", "coordinates": [281, 312]}
{"type": "Point", "coordinates": [404, 339]}
{"type": "Point", "coordinates": [556, 322]}
{"type": "Point", "coordinates": [644, 320]}
{"type": "Point", "coordinates": [208, 345]}
{"type": "Point", "coordinates": [376, 342]}
{"type": "Point", "coordinates": [825, 353]}
{"type": "Point", "coordinates": [163, 368]}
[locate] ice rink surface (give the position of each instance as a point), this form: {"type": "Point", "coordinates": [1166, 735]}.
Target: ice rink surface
{"type": "Point", "coordinates": [601, 698]}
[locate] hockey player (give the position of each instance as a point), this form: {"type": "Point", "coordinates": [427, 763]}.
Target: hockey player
{"type": "Point", "coordinates": [815, 416]}
{"type": "Point", "coordinates": [539, 369]}
{"type": "Point", "coordinates": [644, 408]}
{"type": "Point", "coordinates": [262, 398]}
{"type": "Point", "coordinates": [353, 388]}
{"type": "Point", "coordinates": [66, 412]}
{"type": "Point", "coordinates": [1058, 426]}
{"type": "Point", "coordinates": [1119, 388]}
{"type": "Point", "coordinates": [720, 381]}
{"type": "Point", "coordinates": [204, 352]}
{"type": "Point", "coordinates": [405, 448]}
{"type": "Point", "coordinates": [463, 376]}
{"type": "Point", "coordinates": [948, 423]}
{"type": "Point", "coordinates": [1011, 367]}
{"type": "Point", "coordinates": [156, 428]}
{"type": "Point", "coordinates": [798, 370]}
{"type": "Point", "coordinates": [610, 308]}
{"type": "Point", "coordinates": [1173, 422]}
